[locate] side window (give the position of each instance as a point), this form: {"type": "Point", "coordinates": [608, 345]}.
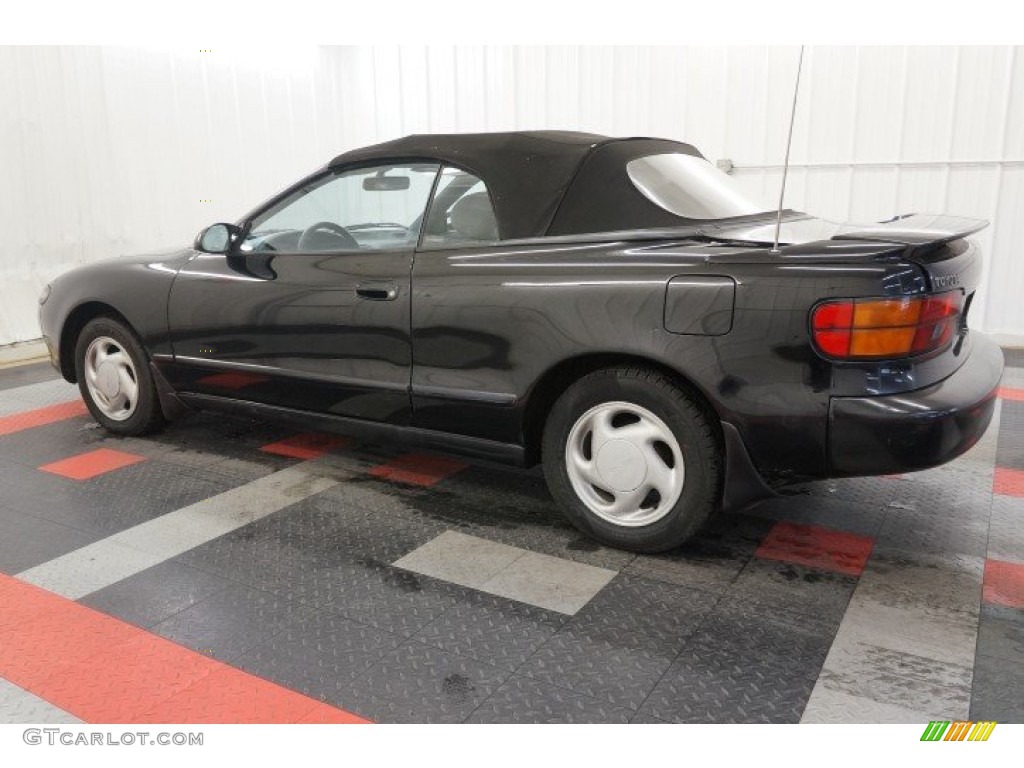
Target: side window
{"type": "Point", "coordinates": [375, 208]}
{"type": "Point", "coordinates": [460, 213]}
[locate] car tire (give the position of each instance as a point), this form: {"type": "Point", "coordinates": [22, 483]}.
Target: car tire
{"type": "Point", "coordinates": [113, 376]}
{"type": "Point", "coordinates": [633, 459]}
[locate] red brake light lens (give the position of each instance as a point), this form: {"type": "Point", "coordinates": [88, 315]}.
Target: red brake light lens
{"type": "Point", "coordinates": [864, 329]}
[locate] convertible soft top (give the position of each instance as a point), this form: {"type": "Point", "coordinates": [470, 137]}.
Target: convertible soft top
{"type": "Point", "coordinates": [543, 182]}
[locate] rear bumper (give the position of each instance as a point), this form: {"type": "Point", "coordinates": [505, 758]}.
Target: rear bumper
{"type": "Point", "coordinates": [920, 429]}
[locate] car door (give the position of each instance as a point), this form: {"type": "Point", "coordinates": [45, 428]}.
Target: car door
{"type": "Point", "coordinates": [311, 309]}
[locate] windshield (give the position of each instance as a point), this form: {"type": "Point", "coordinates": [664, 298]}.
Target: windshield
{"type": "Point", "coordinates": [690, 187]}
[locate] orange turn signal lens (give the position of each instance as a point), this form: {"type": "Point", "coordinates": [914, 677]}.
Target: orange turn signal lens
{"type": "Point", "coordinates": [851, 329]}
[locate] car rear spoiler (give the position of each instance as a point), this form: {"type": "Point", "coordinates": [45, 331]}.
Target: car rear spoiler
{"type": "Point", "coordinates": [915, 229]}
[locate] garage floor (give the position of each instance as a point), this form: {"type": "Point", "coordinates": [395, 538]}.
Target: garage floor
{"type": "Point", "coordinates": [228, 570]}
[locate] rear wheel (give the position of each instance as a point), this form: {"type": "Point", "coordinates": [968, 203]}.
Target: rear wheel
{"type": "Point", "coordinates": [114, 378]}
{"type": "Point", "coordinates": [633, 459]}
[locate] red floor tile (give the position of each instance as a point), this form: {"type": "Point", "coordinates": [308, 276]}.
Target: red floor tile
{"type": "Point", "coordinates": [1008, 482]}
{"type": "Point", "coordinates": [232, 380]}
{"type": "Point", "coordinates": [1004, 583]}
{"type": "Point", "coordinates": [92, 464]}
{"type": "Point", "coordinates": [418, 469]}
{"type": "Point", "coordinates": [1010, 393]}
{"type": "Point", "coordinates": [40, 417]}
{"type": "Point", "coordinates": [817, 547]}
{"type": "Point", "coordinates": [104, 670]}
{"type": "Point", "coordinates": [311, 445]}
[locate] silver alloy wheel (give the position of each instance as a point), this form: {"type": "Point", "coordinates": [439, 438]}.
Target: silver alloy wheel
{"type": "Point", "coordinates": [625, 464]}
{"type": "Point", "coordinates": [111, 379]}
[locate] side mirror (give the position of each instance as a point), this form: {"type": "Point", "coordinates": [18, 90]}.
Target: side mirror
{"type": "Point", "coordinates": [217, 238]}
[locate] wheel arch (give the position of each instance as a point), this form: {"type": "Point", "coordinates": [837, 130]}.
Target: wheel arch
{"type": "Point", "coordinates": [76, 320]}
{"type": "Point", "coordinates": [553, 382]}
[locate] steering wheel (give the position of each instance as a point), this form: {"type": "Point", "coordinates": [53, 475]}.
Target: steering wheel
{"type": "Point", "coordinates": [312, 237]}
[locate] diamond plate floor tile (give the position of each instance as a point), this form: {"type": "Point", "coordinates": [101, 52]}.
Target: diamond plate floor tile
{"type": "Point", "coordinates": [509, 507]}
{"type": "Point", "coordinates": [871, 491]}
{"type": "Point", "coordinates": [633, 611]}
{"type": "Point", "coordinates": [996, 693]}
{"type": "Point", "coordinates": [828, 706]}
{"type": "Point", "coordinates": [824, 549]}
{"type": "Point", "coordinates": [23, 375]}
{"type": "Point", "coordinates": [116, 501]}
{"type": "Point", "coordinates": [231, 621]}
{"type": "Point", "coordinates": [417, 683]}
{"type": "Point", "coordinates": [929, 630]}
{"type": "Point", "coordinates": [928, 530]}
{"type": "Point", "coordinates": [28, 396]}
{"type": "Point", "coordinates": [689, 566]}
{"type": "Point", "coordinates": [28, 541]}
{"type": "Point", "coordinates": [156, 594]}
{"type": "Point", "coordinates": [901, 578]}
{"type": "Point", "coordinates": [521, 700]}
{"type": "Point", "coordinates": [902, 680]}
{"type": "Point", "coordinates": [710, 684]}
{"type": "Point", "coordinates": [621, 674]}
{"type": "Point", "coordinates": [771, 633]}
{"type": "Point", "coordinates": [320, 656]}
{"type": "Point", "coordinates": [834, 512]}
{"type": "Point", "coordinates": [19, 706]}
{"type": "Point", "coordinates": [793, 587]}
{"type": "Point", "coordinates": [492, 629]}
{"type": "Point", "coordinates": [51, 442]}
{"type": "Point", "coordinates": [1006, 529]}
{"type": "Point", "coordinates": [1001, 634]}
{"type": "Point", "coordinates": [395, 601]}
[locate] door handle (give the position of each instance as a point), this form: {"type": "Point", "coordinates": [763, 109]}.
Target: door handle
{"type": "Point", "coordinates": [377, 291]}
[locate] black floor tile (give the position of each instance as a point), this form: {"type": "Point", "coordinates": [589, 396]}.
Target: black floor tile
{"type": "Point", "coordinates": [114, 501]}
{"type": "Point", "coordinates": [418, 683]}
{"type": "Point", "coordinates": [231, 622]}
{"type": "Point", "coordinates": [492, 629]}
{"type": "Point", "coordinates": [27, 541]}
{"type": "Point", "coordinates": [522, 700]}
{"type": "Point", "coordinates": [835, 512]}
{"type": "Point", "coordinates": [320, 656]}
{"type": "Point", "coordinates": [713, 684]}
{"type": "Point", "coordinates": [769, 633]}
{"type": "Point", "coordinates": [1001, 634]}
{"type": "Point", "coordinates": [634, 610]}
{"type": "Point", "coordinates": [156, 593]}
{"type": "Point", "coordinates": [996, 693]}
{"type": "Point", "coordinates": [795, 588]}
{"type": "Point", "coordinates": [622, 673]}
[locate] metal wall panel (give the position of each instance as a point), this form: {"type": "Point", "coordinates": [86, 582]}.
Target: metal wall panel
{"type": "Point", "coordinates": [105, 151]}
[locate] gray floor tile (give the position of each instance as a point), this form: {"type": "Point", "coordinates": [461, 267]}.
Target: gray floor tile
{"type": "Point", "coordinates": [713, 684]}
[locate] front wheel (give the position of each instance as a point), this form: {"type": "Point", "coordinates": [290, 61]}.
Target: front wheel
{"type": "Point", "coordinates": [633, 459]}
{"type": "Point", "coordinates": [114, 378]}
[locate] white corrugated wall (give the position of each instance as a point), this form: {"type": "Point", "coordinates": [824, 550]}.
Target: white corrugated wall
{"type": "Point", "coordinates": [105, 151]}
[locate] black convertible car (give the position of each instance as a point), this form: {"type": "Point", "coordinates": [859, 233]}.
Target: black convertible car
{"type": "Point", "coordinates": [613, 308]}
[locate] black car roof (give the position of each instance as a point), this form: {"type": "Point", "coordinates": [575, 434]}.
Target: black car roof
{"type": "Point", "coordinates": [543, 182]}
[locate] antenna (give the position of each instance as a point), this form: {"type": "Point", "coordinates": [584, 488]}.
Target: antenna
{"type": "Point", "coordinates": [789, 143]}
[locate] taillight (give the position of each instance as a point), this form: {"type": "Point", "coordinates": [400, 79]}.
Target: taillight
{"type": "Point", "coordinates": [860, 329]}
